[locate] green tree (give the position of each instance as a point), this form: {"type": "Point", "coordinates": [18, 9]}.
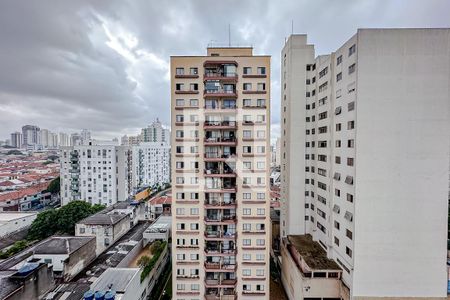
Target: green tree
{"type": "Point", "coordinates": [44, 225]}
{"type": "Point", "coordinates": [73, 212]}
{"type": "Point", "coordinates": [14, 152]}
{"type": "Point", "coordinates": [55, 186]}
{"type": "Point", "coordinates": [143, 261]}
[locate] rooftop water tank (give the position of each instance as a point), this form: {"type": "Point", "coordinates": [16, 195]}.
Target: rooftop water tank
{"type": "Point", "coordinates": [111, 295]}
{"type": "Point", "coordinates": [89, 295]}
{"type": "Point", "coordinates": [99, 295]}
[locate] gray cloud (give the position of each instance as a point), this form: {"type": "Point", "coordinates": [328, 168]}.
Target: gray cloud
{"type": "Point", "coordinates": [103, 65]}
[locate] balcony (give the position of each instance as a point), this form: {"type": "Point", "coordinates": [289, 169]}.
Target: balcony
{"type": "Point", "coordinates": [217, 157]}
{"type": "Point", "coordinates": [219, 235]}
{"type": "Point", "coordinates": [219, 251]}
{"type": "Point", "coordinates": [186, 92]}
{"type": "Point", "coordinates": [220, 267]}
{"type": "Point", "coordinates": [219, 204]}
{"type": "Point", "coordinates": [220, 93]}
{"type": "Point", "coordinates": [225, 77]}
{"type": "Point", "coordinates": [219, 172]}
{"type": "Point", "coordinates": [220, 108]}
{"type": "Point", "coordinates": [215, 219]}
{"type": "Point", "coordinates": [254, 92]}
{"type": "Point", "coordinates": [220, 141]}
{"type": "Point", "coordinates": [220, 125]}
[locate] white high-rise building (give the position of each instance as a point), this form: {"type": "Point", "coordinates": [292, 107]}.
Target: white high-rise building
{"type": "Point", "coordinates": [364, 163]}
{"type": "Point", "coordinates": [155, 132]}
{"type": "Point", "coordinates": [151, 164]}
{"type": "Point", "coordinates": [16, 139]}
{"type": "Point", "coordinates": [97, 173]}
{"type": "Point", "coordinates": [85, 136]}
{"type": "Point", "coordinates": [30, 135]}
{"type": "Point", "coordinates": [48, 139]}
{"type": "Point", "coordinates": [63, 139]}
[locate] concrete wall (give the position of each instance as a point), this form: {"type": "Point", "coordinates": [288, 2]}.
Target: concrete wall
{"type": "Point", "coordinates": [79, 260]}
{"type": "Point", "coordinates": [402, 159]}
{"type": "Point", "coordinates": [36, 285]}
{"type": "Point", "coordinates": [11, 226]}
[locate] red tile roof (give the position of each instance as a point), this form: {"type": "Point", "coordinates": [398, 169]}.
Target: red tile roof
{"type": "Point", "coordinates": [161, 200]}
{"type": "Point", "coordinates": [32, 190]}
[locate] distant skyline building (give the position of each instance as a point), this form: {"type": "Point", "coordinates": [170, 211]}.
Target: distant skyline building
{"type": "Point", "coordinates": [155, 132]}
{"type": "Point", "coordinates": [63, 139]}
{"type": "Point", "coordinates": [151, 164]}
{"type": "Point", "coordinates": [30, 135]}
{"type": "Point", "coordinates": [75, 139]}
{"type": "Point", "coordinates": [16, 139]}
{"type": "Point", "coordinates": [365, 165]}
{"type": "Point", "coordinates": [85, 136]}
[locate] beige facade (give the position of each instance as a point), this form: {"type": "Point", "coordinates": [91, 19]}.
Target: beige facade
{"type": "Point", "coordinates": [220, 174]}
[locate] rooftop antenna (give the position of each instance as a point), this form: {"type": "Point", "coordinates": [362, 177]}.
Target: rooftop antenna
{"type": "Point", "coordinates": [229, 35]}
{"type": "Point", "coordinates": [292, 27]}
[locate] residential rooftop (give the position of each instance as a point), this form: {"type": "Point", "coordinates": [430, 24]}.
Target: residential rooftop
{"type": "Point", "coordinates": [61, 244]}
{"type": "Point", "coordinates": [6, 216]}
{"type": "Point", "coordinates": [102, 218]}
{"type": "Point", "coordinates": [312, 253]}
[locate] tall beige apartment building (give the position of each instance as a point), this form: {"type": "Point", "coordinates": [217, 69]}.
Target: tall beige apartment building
{"type": "Point", "coordinates": [220, 174]}
{"type": "Point", "coordinates": [364, 164]}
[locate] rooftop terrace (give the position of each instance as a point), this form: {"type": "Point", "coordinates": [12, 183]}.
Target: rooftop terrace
{"type": "Point", "coordinates": [312, 253]}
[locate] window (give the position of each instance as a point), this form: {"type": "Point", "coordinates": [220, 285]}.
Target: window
{"type": "Point", "coordinates": [261, 102]}
{"type": "Point", "coordinates": [193, 71]}
{"type": "Point", "coordinates": [337, 192]}
{"type": "Point", "coordinates": [322, 101]}
{"type": "Point", "coordinates": [351, 106]}
{"type": "Point", "coordinates": [348, 251]}
{"type": "Point", "coordinates": [351, 69]}
{"type": "Point", "coordinates": [350, 143]}
{"type": "Point", "coordinates": [337, 225]}
{"type": "Point", "coordinates": [246, 196]}
{"type": "Point", "coordinates": [246, 211]}
{"type": "Point", "coordinates": [179, 118]}
{"type": "Point", "coordinates": [339, 60]}
{"type": "Point", "coordinates": [322, 185]}
{"type": "Point", "coordinates": [179, 86]}
{"type": "Point", "coordinates": [338, 127]}
{"type": "Point", "coordinates": [323, 115]}
{"type": "Point", "coordinates": [261, 211]}
{"type": "Point", "coordinates": [246, 256]}
{"type": "Point", "coordinates": [260, 242]}
{"type": "Point", "coordinates": [323, 72]}
{"type": "Point", "coordinates": [352, 50]}
{"type": "Point", "coordinates": [338, 110]}
{"type": "Point", "coordinates": [322, 157]}
{"type": "Point", "coordinates": [246, 227]}
{"type": "Point", "coordinates": [179, 71]}
{"type": "Point", "coordinates": [193, 102]}
{"type": "Point", "coordinates": [323, 87]}
{"type": "Point", "coordinates": [180, 102]}
{"type": "Point", "coordinates": [194, 86]}
{"type": "Point", "coordinates": [247, 242]}
{"type": "Point", "coordinates": [338, 143]}
{"type": "Point", "coordinates": [261, 87]}
{"type": "Point", "coordinates": [336, 241]}
{"type": "Point", "coordinates": [247, 70]}
{"type": "Point", "coordinates": [349, 179]}
{"type": "Point", "coordinates": [246, 272]}
{"type": "Point", "coordinates": [247, 86]}
{"type": "Point", "coordinates": [349, 234]}
{"type": "Point", "coordinates": [322, 172]}
{"type": "Point", "coordinates": [337, 159]}
{"type": "Point", "coordinates": [350, 198]}
{"type": "Point", "coordinates": [350, 125]}
{"type": "Point", "coordinates": [339, 77]}
{"type": "Point", "coordinates": [349, 161]}
{"type": "Point", "coordinates": [261, 70]}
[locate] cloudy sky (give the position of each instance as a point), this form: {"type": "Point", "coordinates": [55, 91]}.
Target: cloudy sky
{"type": "Point", "coordinates": [103, 65]}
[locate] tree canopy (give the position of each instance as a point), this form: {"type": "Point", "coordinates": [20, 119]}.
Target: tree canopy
{"type": "Point", "coordinates": [61, 220]}
{"type": "Point", "coordinates": [55, 186]}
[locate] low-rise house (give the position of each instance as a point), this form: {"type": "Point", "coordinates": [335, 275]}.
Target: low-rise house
{"type": "Point", "coordinates": [25, 199]}
{"type": "Point", "coordinates": [107, 228]}
{"type": "Point", "coordinates": [307, 272]}
{"type": "Point", "coordinates": [28, 283]}
{"type": "Point", "coordinates": [12, 222]}
{"type": "Point", "coordinates": [159, 230]}
{"type": "Point", "coordinates": [158, 206]}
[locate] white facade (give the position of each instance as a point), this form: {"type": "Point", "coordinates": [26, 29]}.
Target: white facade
{"type": "Point", "coordinates": [63, 139]}
{"type": "Point", "coordinates": [11, 222]}
{"type": "Point", "coordinates": [155, 132]}
{"type": "Point", "coordinates": [95, 173]}
{"type": "Point", "coordinates": [16, 140]}
{"type": "Point", "coordinates": [85, 136]}
{"type": "Point", "coordinates": [151, 164]}
{"type": "Point", "coordinates": [365, 155]}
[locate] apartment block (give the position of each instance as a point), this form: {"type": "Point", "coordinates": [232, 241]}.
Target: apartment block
{"type": "Point", "coordinates": [155, 132]}
{"type": "Point", "coordinates": [151, 164]}
{"type": "Point", "coordinates": [364, 164]}
{"type": "Point", "coordinates": [96, 173]}
{"type": "Point", "coordinates": [220, 174]}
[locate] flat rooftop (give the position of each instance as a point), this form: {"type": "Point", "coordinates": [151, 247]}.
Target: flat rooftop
{"type": "Point", "coordinates": [116, 279]}
{"type": "Point", "coordinates": [62, 244]}
{"type": "Point", "coordinates": [10, 216]}
{"type": "Point", "coordinates": [313, 254]}
{"type": "Point", "coordinates": [163, 223]}
{"type": "Point", "coordinates": [103, 219]}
